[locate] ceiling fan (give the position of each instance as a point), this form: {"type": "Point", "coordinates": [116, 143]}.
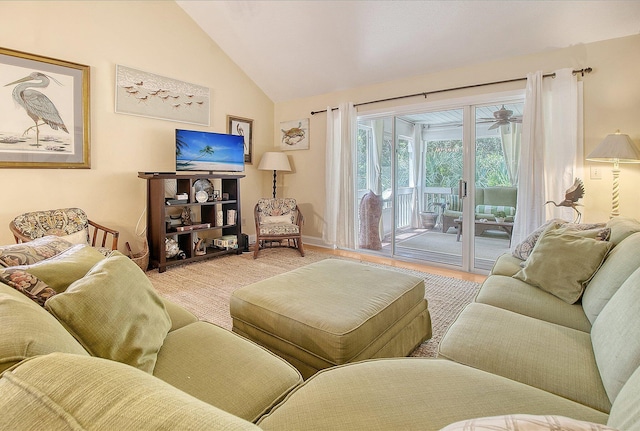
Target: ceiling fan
{"type": "Point", "coordinates": [502, 117]}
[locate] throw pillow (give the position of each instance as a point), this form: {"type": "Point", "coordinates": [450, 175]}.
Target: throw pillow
{"type": "Point", "coordinates": [62, 270]}
{"type": "Point", "coordinates": [522, 422]}
{"type": "Point", "coordinates": [562, 263]}
{"type": "Point", "coordinates": [33, 251]}
{"type": "Point", "coordinates": [115, 313]}
{"type": "Point", "coordinates": [287, 218]}
{"type": "Point", "coordinates": [27, 284]}
{"type": "Point", "coordinates": [80, 237]}
{"type": "Point", "coordinates": [523, 250]}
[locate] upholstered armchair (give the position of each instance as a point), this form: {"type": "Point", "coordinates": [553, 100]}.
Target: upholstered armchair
{"type": "Point", "coordinates": [71, 224]}
{"type": "Point", "coordinates": [278, 220]}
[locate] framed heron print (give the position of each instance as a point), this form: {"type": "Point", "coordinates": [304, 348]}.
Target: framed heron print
{"type": "Point", "coordinates": [45, 112]}
{"type": "Point", "coordinates": [242, 127]}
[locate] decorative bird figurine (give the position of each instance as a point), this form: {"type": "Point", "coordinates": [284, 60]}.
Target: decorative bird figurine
{"type": "Point", "coordinates": [571, 197]}
{"type": "Point", "coordinates": [38, 106]}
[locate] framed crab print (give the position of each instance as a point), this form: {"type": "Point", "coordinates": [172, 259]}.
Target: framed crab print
{"type": "Point", "coordinates": [242, 127]}
{"type": "Point", "coordinates": [45, 112]}
{"type": "Point", "coordinates": [294, 135]}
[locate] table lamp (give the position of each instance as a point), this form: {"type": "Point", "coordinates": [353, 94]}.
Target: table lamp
{"type": "Point", "coordinates": [616, 148]}
{"type": "Point", "coordinates": [274, 161]}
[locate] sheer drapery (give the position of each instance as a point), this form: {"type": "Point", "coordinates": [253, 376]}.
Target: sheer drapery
{"type": "Point", "coordinates": [511, 135]}
{"type": "Point", "coordinates": [563, 139]}
{"type": "Point", "coordinates": [415, 158]}
{"type": "Point", "coordinates": [339, 228]}
{"type": "Point", "coordinates": [551, 149]}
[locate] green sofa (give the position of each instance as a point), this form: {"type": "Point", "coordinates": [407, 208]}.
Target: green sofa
{"type": "Point", "coordinates": [488, 200]}
{"type": "Point", "coordinates": [205, 377]}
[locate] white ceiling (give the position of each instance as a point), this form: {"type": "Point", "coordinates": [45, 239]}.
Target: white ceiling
{"type": "Point", "coordinates": [294, 49]}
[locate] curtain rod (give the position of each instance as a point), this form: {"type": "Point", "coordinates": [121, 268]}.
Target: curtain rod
{"type": "Point", "coordinates": [426, 93]}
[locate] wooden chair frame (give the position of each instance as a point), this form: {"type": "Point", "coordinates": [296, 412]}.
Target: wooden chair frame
{"type": "Point", "coordinates": [296, 238]}
{"type": "Point", "coordinates": [96, 232]}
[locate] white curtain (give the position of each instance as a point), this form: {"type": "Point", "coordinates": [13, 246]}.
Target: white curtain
{"type": "Point", "coordinates": [551, 149]}
{"type": "Point", "coordinates": [511, 135]}
{"type": "Point", "coordinates": [339, 227]}
{"type": "Point", "coordinates": [415, 158]}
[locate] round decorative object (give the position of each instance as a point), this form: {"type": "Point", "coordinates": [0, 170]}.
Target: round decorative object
{"type": "Point", "coordinates": [203, 185]}
{"type": "Point", "coordinates": [171, 247]}
{"type": "Point", "coordinates": [202, 196]}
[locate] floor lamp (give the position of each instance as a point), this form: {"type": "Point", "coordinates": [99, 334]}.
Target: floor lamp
{"type": "Point", "coordinates": [274, 161]}
{"type": "Point", "coordinates": [616, 148]}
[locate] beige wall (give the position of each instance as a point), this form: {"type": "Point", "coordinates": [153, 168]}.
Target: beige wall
{"type": "Point", "coordinates": [153, 36]}
{"type": "Point", "coordinates": [158, 37]}
{"type": "Point", "coordinates": [611, 101]}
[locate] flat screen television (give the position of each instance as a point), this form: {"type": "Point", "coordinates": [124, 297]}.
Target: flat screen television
{"type": "Point", "coordinates": [208, 151]}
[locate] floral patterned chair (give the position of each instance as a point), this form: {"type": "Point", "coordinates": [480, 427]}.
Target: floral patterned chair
{"type": "Point", "coordinates": [71, 224]}
{"type": "Point", "coordinates": [278, 220]}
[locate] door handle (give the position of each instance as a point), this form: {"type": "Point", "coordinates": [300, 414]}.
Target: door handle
{"type": "Point", "coordinates": [462, 189]}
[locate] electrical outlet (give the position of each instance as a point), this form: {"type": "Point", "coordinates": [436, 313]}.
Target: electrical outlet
{"type": "Point", "coordinates": [596, 173]}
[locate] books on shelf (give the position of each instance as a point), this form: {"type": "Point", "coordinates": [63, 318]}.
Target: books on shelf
{"type": "Point", "coordinates": [187, 228]}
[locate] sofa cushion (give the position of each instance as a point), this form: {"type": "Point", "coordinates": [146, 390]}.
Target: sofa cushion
{"type": "Point", "coordinates": [493, 209]}
{"type": "Point", "coordinates": [622, 227]}
{"type": "Point", "coordinates": [625, 414]}
{"type": "Point", "coordinates": [564, 277]}
{"type": "Point", "coordinates": [410, 394]}
{"type": "Point", "coordinates": [616, 336]}
{"type": "Point", "coordinates": [33, 251]}
{"type": "Point", "coordinates": [506, 264]}
{"type": "Point", "coordinates": [224, 370]}
{"type": "Point", "coordinates": [70, 392]}
{"type": "Point", "coordinates": [65, 268]}
{"type": "Point", "coordinates": [620, 263]}
{"type": "Point", "coordinates": [115, 313]}
{"type": "Point", "coordinates": [551, 357]}
{"type": "Point", "coordinates": [179, 315]}
{"type": "Point", "coordinates": [525, 423]}
{"type": "Point", "coordinates": [27, 330]}
{"type": "Point", "coordinates": [520, 297]}
{"type": "Point", "coordinates": [504, 196]}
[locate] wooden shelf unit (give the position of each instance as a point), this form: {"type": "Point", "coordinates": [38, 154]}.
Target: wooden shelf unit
{"type": "Point", "coordinates": [158, 212]}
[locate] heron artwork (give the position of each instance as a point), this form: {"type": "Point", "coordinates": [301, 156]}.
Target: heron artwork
{"type": "Point", "coordinates": [38, 106]}
{"type": "Point", "coordinates": [571, 197]}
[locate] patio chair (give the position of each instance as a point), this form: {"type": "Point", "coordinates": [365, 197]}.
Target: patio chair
{"type": "Point", "coordinates": [71, 224]}
{"type": "Point", "coordinates": [278, 220]}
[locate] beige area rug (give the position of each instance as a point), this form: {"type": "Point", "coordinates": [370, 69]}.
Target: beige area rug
{"type": "Point", "coordinates": [205, 288]}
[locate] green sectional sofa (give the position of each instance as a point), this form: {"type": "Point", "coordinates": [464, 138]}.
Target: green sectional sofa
{"type": "Point", "coordinates": [90, 358]}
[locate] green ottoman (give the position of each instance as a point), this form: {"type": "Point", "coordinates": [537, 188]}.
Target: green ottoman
{"type": "Point", "coordinates": [333, 312]}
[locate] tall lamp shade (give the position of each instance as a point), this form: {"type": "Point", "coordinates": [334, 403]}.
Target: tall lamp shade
{"type": "Point", "coordinates": [274, 161]}
{"type": "Point", "coordinates": [616, 148]}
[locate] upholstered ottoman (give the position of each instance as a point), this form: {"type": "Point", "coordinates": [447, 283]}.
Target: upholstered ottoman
{"type": "Point", "coordinates": [333, 312]}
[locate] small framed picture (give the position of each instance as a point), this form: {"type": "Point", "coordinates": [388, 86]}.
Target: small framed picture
{"type": "Point", "coordinates": [225, 196]}
{"type": "Point", "coordinates": [242, 127]}
{"type": "Point", "coordinates": [216, 195]}
{"type": "Point", "coordinates": [294, 135]}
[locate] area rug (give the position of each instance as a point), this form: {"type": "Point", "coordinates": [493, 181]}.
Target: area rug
{"type": "Point", "coordinates": [205, 288]}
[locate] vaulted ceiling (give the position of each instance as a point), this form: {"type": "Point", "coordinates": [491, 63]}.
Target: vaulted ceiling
{"type": "Point", "coordinates": [295, 49]}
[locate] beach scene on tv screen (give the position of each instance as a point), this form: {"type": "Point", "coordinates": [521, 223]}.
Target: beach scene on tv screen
{"type": "Point", "coordinates": [206, 151]}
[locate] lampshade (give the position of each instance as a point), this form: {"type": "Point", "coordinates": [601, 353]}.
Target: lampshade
{"type": "Point", "coordinates": [274, 161]}
{"type": "Point", "coordinates": [616, 147]}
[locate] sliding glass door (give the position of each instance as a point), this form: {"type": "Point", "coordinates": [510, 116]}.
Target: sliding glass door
{"type": "Point", "coordinates": [432, 185]}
